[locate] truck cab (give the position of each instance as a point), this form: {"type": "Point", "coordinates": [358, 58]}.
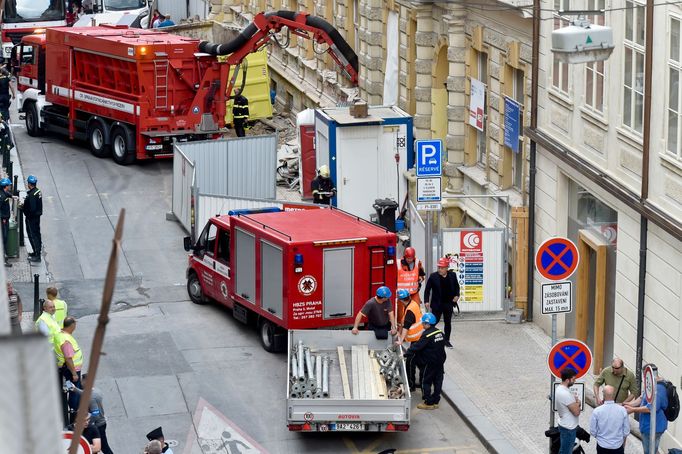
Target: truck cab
{"type": "Point", "coordinates": [209, 270]}
{"type": "Point", "coordinates": [30, 70]}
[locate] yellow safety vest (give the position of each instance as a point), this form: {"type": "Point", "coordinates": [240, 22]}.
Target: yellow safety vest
{"type": "Point", "coordinates": [408, 279]}
{"type": "Point", "coordinates": [416, 329]}
{"type": "Point", "coordinates": [60, 339]}
{"type": "Point", "coordinates": [51, 323]}
{"type": "Point", "coordinates": [60, 312]}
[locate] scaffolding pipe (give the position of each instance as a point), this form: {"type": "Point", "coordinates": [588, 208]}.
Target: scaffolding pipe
{"type": "Point", "coordinates": [309, 365]}
{"type": "Point", "coordinates": [301, 368]}
{"type": "Point", "coordinates": [325, 376]}
{"type": "Point", "coordinates": [318, 371]}
{"type": "Point", "coordinates": [294, 368]}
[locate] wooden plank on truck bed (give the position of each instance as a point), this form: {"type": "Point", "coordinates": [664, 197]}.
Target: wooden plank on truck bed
{"type": "Point", "coordinates": [366, 373]}
{"type": "Point", "coordinates": [381, 383]}
{"type": "Point", "coordinates": [344, 373]}
{"type": "Point", "coordinates": [374, 385]}
{"type": "Point", "coordinates": [354, 371]}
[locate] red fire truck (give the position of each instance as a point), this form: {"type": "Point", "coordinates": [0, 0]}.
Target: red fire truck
{"type": "Point", "coordinates": [130, 92]}
{"type": "Point", "coordinates": [290, 269]}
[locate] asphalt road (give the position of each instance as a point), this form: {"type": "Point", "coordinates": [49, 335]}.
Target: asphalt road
{"type": "Point", "coordinates": [191, 369]}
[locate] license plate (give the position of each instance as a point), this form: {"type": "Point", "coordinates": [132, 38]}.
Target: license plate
{"type": "Point", "coordinates": [347, 426]}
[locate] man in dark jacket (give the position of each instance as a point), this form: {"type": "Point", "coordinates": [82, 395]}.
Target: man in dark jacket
{"type": "Point", "coordinates": [322, 186]}
{"type": "Point", "coordinates": [430, 354]}
{"type": "Point", "coordinates": [441, 296]}
{"type": "Point", "coordinates": [33, 209]}
{"type": "Point", "coordinates": [240, 112]}
{"type": "Point", "coordinates": [5, 212]}
{"type": "Point", "coordinates": [5, 89]}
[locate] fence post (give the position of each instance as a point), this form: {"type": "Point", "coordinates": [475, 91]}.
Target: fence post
{"type": "Point", "coordinates": [36, 300]}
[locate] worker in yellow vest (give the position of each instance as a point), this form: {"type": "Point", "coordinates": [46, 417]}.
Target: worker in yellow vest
{"type": "Point", "coordinates": [46, 324]}
{"type": "Point", "coordinates": [60, 306]}
{"type": "Point", "coordinates": [69, 358]}
{"type": "Point", "coordinates": [411, 274]}
{"type": "Point", "coordinates": [410, 329]}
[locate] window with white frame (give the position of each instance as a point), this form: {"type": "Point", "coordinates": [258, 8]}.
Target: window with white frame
{"type": "Point", "coordinates": [560, 70]}
{"type": "Point", "coordinates": [633, 70]}
{"type": "Point", "coordinates": [481, 142]}
{"type": "Point", "coordinates": [594, 71]}
{"type": "Point", "coordinates": [674, 142]}
{"type": "Point", "coordinates": [517, 162]}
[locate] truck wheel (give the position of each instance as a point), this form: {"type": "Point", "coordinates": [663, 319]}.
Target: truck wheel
{"type": "Point", "coordinates": [121, 152]}
{"type": "Point", "coordinates": [267, 335]}
{"type": "Point", "coordinates": [96, 135]}
{"type": "Point", "coordinates": [196, 294]}
{"type": "Point", "coordinates": [32, 120]}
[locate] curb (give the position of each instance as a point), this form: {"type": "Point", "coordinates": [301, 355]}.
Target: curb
{"type": "Point", "coordinates": [484, 429]}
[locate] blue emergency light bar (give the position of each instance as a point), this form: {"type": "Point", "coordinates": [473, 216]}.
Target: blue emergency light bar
{"type": "Point", "coordinates": [253, 211]}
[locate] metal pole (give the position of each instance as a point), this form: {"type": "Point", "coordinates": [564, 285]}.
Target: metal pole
{"type": "Point", "coordinates": [36, 299]}
{"type": "Point", "coordinates": [429, 244]}
{"type": "Point", "coordinates": [20, 221]}
{"type": "Point", "coordinates": [551, 380]}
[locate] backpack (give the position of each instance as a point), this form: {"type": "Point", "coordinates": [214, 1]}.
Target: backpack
{"type": "Point", "coordinates": [673, 409]}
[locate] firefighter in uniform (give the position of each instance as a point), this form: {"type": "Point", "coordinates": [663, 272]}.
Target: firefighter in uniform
{"type": "Point", "coordinates": [240, 112]}
{"type": "Point", "coordinates": [410, 329]}
{"type": "Point", "coordinates": [322, 186]}
{"type": "Point", "coordinates": [430, 354]}
{"type": "Point", "coordinates": [5, 88]}
{"type": "Point", "coordinates": [33, 209]}
{"type": "Point", "coordinates": [5, 212]}
{"type": "Point", "coordinates": [411, 274]}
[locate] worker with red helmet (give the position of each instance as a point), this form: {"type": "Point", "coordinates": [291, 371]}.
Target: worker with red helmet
{"type": "Point", "coordinates": [411, 274]}
{"type": "Point", "coordinates": [441, 295]}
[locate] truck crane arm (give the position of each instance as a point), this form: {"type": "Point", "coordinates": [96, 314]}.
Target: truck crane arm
{"type": "Point", "coordinates": [265, 25]}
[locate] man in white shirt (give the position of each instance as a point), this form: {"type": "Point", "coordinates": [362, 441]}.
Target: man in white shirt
{"type": "Point", "coordinates": [568, 406]}
{"type": "Point", "coordinates": [609, 424]}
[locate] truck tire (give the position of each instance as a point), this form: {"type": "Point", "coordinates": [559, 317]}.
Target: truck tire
{"type": "Point", "coordinates": [97, 139]}
{"type": "Point", "coordinates": [267, 331]}
{"type": "Point", "coordinates": [196, 294]}
{"type": "Point", "coordinates": [121, 151]}
{"type": "Point", "coordinates": [32, 120]}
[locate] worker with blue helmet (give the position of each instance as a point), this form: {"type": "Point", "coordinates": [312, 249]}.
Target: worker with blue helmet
{"type": "Point", "coordinates": [5, 212]}
{"type": "Point", "coordinates": [33, 210]}
{"type": "Point", "coordinates": [378, 314]}
{"type": "Point", "coordinates": [429, 355]}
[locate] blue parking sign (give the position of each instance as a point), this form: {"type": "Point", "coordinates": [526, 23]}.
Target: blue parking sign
{"type": "Point", "coordinates": [429, 158]}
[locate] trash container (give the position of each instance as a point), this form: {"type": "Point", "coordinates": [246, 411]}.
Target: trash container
{"type": "Point", "coordinates": [13, 239]}
{"type": "Point", "coordinates": [386, 209]}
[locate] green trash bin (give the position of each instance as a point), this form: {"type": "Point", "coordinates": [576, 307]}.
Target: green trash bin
{"type": "Point", "coordinates": [13, 239]}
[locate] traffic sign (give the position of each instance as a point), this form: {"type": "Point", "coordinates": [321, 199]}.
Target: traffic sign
{"type": "Point", "coordinates": [578, 389]}
{"type": "Point", "coordinates": [83, 445]}
{"type": "Point", "coordinates": [569, 353]}
{"type": "Point", "coordinates": [556, 259]}
{"type": "Point", "coordinates": [429, 206]}
{"type": "Point", "coordinates": [556, 298]}
{"type": "Point", "coordinates": [649, 383]}
{"type": "Point", "coordinates": [428, 190]}
{"type": "Point", "coordinates": [429, 158]}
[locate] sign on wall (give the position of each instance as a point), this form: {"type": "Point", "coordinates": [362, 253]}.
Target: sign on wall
{"type": "Point", "coordinates": [512, 127]}
{"type": "Point", "coordinates": [477, 104]}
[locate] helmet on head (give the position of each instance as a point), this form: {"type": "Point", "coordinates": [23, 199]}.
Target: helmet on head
{"type": "Point", "coordinates": [403, 294]}
{"type": "Point", "coordinates": [383, 292]}
{"type": "Point", "coordinates": [429, 318]}
{"type": "Point", "coordinates": [5, 182]}
{"type": "Point", "coordinates": [31, 179]}
{"type": "Point", "coordinates": [443, 262]}
{"type": "Point", "coordinates": [409, 253]}
{"type": "Point", "coordinates": [324, 171]}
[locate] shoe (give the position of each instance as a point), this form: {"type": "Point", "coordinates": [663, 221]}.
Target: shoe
{"type": "Point", "coordinates": [34, 258]}
{"type": "Point", "coordinates": [7, 264]}
{"type": "Point", "coordinates": [425, 406]}
{"type": "Point", "coordinates": [448, 344]}
{"type": "Point", "coordinates": [412, 389]}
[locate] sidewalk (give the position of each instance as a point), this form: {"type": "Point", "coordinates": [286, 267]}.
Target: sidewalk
{"type": "Point", "coordinates": [502, 369]}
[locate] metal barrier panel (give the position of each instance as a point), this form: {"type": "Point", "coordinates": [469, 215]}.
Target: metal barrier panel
{"type": "Point", "coordinates": [183, 180]}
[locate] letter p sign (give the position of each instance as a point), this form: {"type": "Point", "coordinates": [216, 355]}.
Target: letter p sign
{"type": "Point", "coordinates": [429, 158]}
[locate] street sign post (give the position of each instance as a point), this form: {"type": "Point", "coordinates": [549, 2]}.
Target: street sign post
{"type": "Point", "coordinates": [569, 353]}
{"type": "Point", "coordinates": [429, 158]}
{"type": "Point", "coordinates": [556, 298]}
{"type": "Point", "coordinates": [556, 259]}
{"type": "Point", "coordinates": [650, 377]}
{"type": "Point", "coordinates": [428, 190]}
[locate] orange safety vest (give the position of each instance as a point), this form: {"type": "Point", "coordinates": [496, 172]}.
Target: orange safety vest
{"type": "Point", "coordinates": [416, 329]}
{"type": "Point", "coordinates": [409, 279]}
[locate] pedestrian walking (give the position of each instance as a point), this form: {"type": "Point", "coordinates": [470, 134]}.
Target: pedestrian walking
{"type": "Point", "coordinates": [33, 210]}
{"type": "Point", "coordinates": [91, 434]}
{"type": "Point", "coordinates": [609, 424]}
{"type": "Point", "coordinates": [6, 88]}
{"type": "Point", "coordinates": [153, 447]}
{"type": "Point", "coordinates": [166, 21]}
{"type": "Point", "coordinates": [240, 112]}
{"type": "Point", "coordinates": [157, 434]}
{"type": "Point", "coordinates": [441, 296]}
{"type": "Point", "coordinates": [621, 378]}
{"type": "Point", "coordinates": [568, 407]}
{"type": "Point", "coordinates": [61, 309]}
{"type": "Point", "coordinates": [96, 410]}
{"type": "Point", "coordinates": [322, 186]}
{"type": "Point", "coordinates": [410, 329]}
{"type": "Point", "coordinates": [378, 311]}
{"type": "Point", "coordinates": [430, 355]}
{"type": "Point", "coordinates": [5, 212]}
{"type": "Point", "coordinates": [15, 308]}
{"type": "Point", "coordinates": [641, 407]}
{"type": "Point", "coordinates": [46, 324]}
{"type": "Point", "coordinates": [69, 358]}
{"type": "Point", "coordinates": [411, 274]}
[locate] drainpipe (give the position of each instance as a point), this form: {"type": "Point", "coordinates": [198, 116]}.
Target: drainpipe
{"type": "Point", "coordinates": [533, 150]}
{"type": "Point", "coordinates": [644, 222]}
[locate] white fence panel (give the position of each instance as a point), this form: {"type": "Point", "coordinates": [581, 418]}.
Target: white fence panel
{"type": "Point", "coordinates": [183, 181]}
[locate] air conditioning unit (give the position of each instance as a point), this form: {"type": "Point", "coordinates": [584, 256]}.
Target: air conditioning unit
{"type": "Point", "coordinates": [582, 42]}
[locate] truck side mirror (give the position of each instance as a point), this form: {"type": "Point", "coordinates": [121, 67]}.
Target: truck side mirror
{"type": "Point", "coordinates": [187, 242]}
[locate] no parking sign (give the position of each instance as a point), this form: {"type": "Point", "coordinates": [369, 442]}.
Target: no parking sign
{"type": "Point", "coordinates": [569, 353]}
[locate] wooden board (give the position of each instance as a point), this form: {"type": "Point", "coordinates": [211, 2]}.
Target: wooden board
{"type": "Point", "coordinates": [354, 371]}
{"type": "Point", "coordinates": [344, 373]}
{"type": "Point", "coordinates": [379, 379]}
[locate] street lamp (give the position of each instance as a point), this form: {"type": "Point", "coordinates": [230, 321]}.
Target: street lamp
{"type": "Point", "coordinates": [582, 42]}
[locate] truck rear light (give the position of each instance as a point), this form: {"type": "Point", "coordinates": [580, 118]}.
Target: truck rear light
{"type": "Point", "coordinates": [295, 427]}
{"type": "Point", "coordinates": [400, 427]}
{"type": "Point", "coordinates": [390, 251]}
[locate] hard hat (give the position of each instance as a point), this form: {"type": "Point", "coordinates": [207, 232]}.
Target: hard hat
{"type": "Point", "coordinates": [409, 253]}
{"type": "Point", "coordinates": [383, 292]}
{"type": "Point", "coordinates": [403, 294]}
{"type": "Point", "coordinates": [324, 171]}
{"type": "Point", "coordinates": [443, 262]}
{"type": "Point", "coordinates": [31, 179]}
{"type": "Point", "coordinates": [429, 318]}
{"type": "Point", "coordinates": [5, 182]}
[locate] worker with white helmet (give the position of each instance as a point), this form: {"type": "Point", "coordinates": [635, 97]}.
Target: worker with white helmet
{"type": "Point", "coordinates": [323, 186]}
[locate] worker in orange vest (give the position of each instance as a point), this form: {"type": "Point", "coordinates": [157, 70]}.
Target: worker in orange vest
{"type": "Point", "coordinates": [410, 329]}
{"type": "Point", "coordinates": [411, 274]}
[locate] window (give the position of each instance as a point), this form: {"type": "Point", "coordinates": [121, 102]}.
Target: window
{"type": "Point", "coordinates": [206, 242]}
{"type": "Point", "coordinates": [633, 71]}
{"type": "Point", "coordinates": [224, 246]}
{"type": "Point", "coordinates": [674, 99]}
{"type": "Point", "coordinates": [481, 136]}
{"type": "Point", "coordinates": [560, 70]}
{"type": "Point", "coordinates": [27, 55]}
{"type": "Point", "coordinates": [519, 96]}
{"type": "Point", "coordinates": [594, 72]}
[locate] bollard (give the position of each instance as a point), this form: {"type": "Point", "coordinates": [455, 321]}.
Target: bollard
{"type": "Point", "coordinates": [5, 157]}
{"type": "Point", "coordinates": [10, 168]}
{"type": "Point", "coordinates": [20, 220]}
{"type": "Point", "coordinates": [15, 186]}
{"type": "Point", "coordinates": [36, 300]}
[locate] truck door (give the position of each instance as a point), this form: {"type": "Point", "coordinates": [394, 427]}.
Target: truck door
{"type": "Point", "coordinates": [244, 271]}
{"type": "Point", "coordinates": [222, 265]}
{"type": "Point", "coordinates": [272, 284]}
{"type": "Point", "coordinates": [204, 253]}
{"type": "Point", "coordinates": [338, 282]}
